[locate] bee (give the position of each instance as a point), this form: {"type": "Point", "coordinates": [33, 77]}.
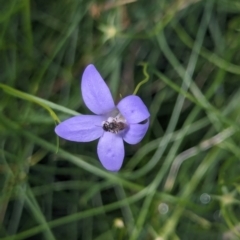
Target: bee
{"type": "Point", "coordinates": [114, 126]}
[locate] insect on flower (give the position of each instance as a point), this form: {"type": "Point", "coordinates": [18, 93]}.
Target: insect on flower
{"type": "Point", "coordinates": [114, 126]}
{"type": "Point", "coordinates": [127, 121]}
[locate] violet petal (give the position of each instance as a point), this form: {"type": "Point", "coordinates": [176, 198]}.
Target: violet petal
{"type": "Point", "coordinates": [135, 132]}
{"type": "Point", "coordinates": [133, 109]}
{"type": "Point", "coordinates": [83, 128]}
{"type": "Point", "coordinates": [95, 92]}
{"type": "Point", "coordinates": [111, 151]}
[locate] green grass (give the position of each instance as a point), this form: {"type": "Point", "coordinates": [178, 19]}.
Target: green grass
{"type": "Point", "coordinates": [182, 181]}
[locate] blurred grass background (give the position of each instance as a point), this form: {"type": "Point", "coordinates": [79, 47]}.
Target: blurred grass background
{"type": "Point", "coordinates": [182, 181]}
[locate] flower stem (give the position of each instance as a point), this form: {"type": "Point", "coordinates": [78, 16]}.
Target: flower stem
{"type": "Point", "coordinates": [144, 80]}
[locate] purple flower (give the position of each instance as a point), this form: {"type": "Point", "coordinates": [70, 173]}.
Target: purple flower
{"type": "Point", "coordinates": [128, 120]}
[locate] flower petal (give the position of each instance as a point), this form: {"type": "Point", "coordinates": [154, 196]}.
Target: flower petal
{"type": "Point", "coordinates": [135, 132]}
{"type": "Point", "coordinates": [111, 151]}
{"type": "Point", "coordinates": [95, 92]}
{"type": "Point", "coordinates": [133, 109]}
{"type": "Point", "coordinates": [83, 128]}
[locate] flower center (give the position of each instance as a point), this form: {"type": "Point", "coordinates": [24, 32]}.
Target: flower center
{"type": "Point", "coordinates": [114, 125]}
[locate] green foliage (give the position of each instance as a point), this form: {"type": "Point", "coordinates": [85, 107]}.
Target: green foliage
{"type": "Point", "coordinates": [182, 181]}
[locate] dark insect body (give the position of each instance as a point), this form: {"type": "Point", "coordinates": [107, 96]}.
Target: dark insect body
{"type": "Point", "coordinates": [113, 127]}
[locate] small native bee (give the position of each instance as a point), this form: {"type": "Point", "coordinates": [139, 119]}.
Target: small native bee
{"type": "Point", "coordinates": [114, 126]}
